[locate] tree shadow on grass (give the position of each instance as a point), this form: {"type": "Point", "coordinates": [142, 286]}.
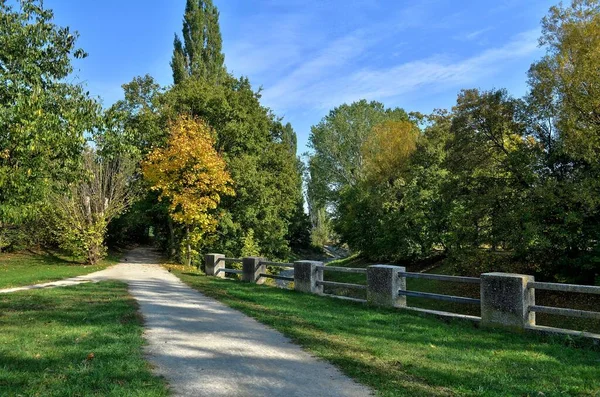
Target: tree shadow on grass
{"type": "Point", "coordinates": [54, 258]}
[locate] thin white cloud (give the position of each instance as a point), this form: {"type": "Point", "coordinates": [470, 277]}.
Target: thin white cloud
{"type": "Point", "coordinates": [313, 86]}
{"type": "Point", "coordinates": [470, 36]}
{"type": "Point", "coordinates": [268, 45]}
{"type": "Point", "coordinates": [338, 54]}
{"type": "Point", "coordinates": [271, 46]}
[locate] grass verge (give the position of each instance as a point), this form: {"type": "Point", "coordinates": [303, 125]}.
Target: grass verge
{"type": "Point", "coordinates": [74, 341]}
{"type": "Point", "coordinates": [406, 354]}
{"type": "Point", "coordinates": [26, 268]}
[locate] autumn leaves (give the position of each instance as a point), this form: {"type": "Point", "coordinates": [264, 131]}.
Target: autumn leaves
{"type": "Point", "coordinates": [191, 175]}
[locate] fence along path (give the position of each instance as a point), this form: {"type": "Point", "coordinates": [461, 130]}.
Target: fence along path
{"type": "Point", "coordinates": [506, 300]}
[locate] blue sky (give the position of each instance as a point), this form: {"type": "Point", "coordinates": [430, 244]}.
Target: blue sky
{"type": "Point", "coordinates": [310, 56]}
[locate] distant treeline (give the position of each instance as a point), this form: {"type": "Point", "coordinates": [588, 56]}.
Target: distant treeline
{"type": "Point", "coordinates": [496, 183]}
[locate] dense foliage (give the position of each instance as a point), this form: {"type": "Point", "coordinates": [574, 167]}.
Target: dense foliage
{"type": "Point", "coordinates": [495, 183]}
{"type": "Point", "coordinates": [42, 117]}
{"type": "Point", "coordinates": [266, 215]}
{"type": "Point", "coordinates": [498, 183]}
{"type": "Point", "coordinates": [63, 179]}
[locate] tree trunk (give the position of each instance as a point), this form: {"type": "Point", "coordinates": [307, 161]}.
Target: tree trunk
{"type": "Point", "coordinates": [172, 250]}
{"type": "Point", "coordinates": [189, 246]}
{"type": "Point", "coordinates": [93, 254]}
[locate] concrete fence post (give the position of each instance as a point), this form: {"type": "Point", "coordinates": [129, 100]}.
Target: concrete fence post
{"type": "Point", "coordinates": [252, 268]}
{"type": "Point", "coordinates": [306, 275]}
{"type": "Point", "coordinates": [213, 264]}
{"type": "Point", "coordinates": [383, 284]}
{"type": "Point", "coordinates": [505, 300]}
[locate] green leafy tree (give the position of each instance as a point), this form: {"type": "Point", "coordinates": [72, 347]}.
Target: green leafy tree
{"type": "Point", "coordinates": [417, 210]}
{"type": "Point", "coordinates": [337, 161]}
{"type": "Point", "coordinates": [563, 117]}
{"type": "Point", "coordinates": [298, 233]}
{"type": "Point", "coordinates": [490, 169]}
{"type": "Point", "coordinates": [424, 209]}
{"type": "Point", "coordinates": [337, 141]}
{"type": "Point", "coordinates": [43, 117]}
{"type": "Point", "coordinates": [569, 72]}
{"type": "Point", "coordinates": [200, 54]}
{"type": "Point", "coordinates": [367, 209]}
{"type": "Point", "coordinates": [135, 124]}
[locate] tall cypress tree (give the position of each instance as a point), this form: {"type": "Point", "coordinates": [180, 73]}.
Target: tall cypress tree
{"type": "Point", "coordinates": [200, 54]}
{"type": "Point", "coordinates": [267, 212]}
{"type": "Point", "coordinates": [213, 57]}
{"type": "Point", "coordinates": [179, 61]}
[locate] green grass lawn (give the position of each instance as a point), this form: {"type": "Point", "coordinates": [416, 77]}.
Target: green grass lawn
{"type": "Point", "coordinates": [406, 354]}
{"type": "Point", "coordinates": [25, 268]}
{"type": "Point", "coordinates": [74, 341]}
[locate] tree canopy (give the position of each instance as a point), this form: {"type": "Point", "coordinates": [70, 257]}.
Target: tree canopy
{"type": "Point", "coordinates": [495, 183]}
{"type": "Point", "coordinates": [43, 118]}
{"type": "Point", "coordinates": [337, 142]}
{"type": "Point", "coordinates": [498, 183]}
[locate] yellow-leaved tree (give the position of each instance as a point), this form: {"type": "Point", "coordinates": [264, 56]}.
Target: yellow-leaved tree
{"type": "Point", "coordinates": [387, 150]}
{"type": "Point", "coordinates": [192, 176]}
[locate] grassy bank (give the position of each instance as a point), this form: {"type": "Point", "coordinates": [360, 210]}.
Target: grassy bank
{"type": "Point", "coordinates": [77, 341]}
{"type": "Point", "coordinates": [405, 354]}
{"type": "Point", "coordinates": [25, 268]}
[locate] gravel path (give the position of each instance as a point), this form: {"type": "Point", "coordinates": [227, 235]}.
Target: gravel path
{"type": "Point", "coordinates": [205, 348]}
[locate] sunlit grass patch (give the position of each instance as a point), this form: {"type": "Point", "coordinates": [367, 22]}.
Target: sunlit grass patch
{"type": "Point", "coordinates": [400, 353]}
{"type": "Point", "coordinates": [26, 268]}
{"type": "Point", "coordinates": [84, 340]}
